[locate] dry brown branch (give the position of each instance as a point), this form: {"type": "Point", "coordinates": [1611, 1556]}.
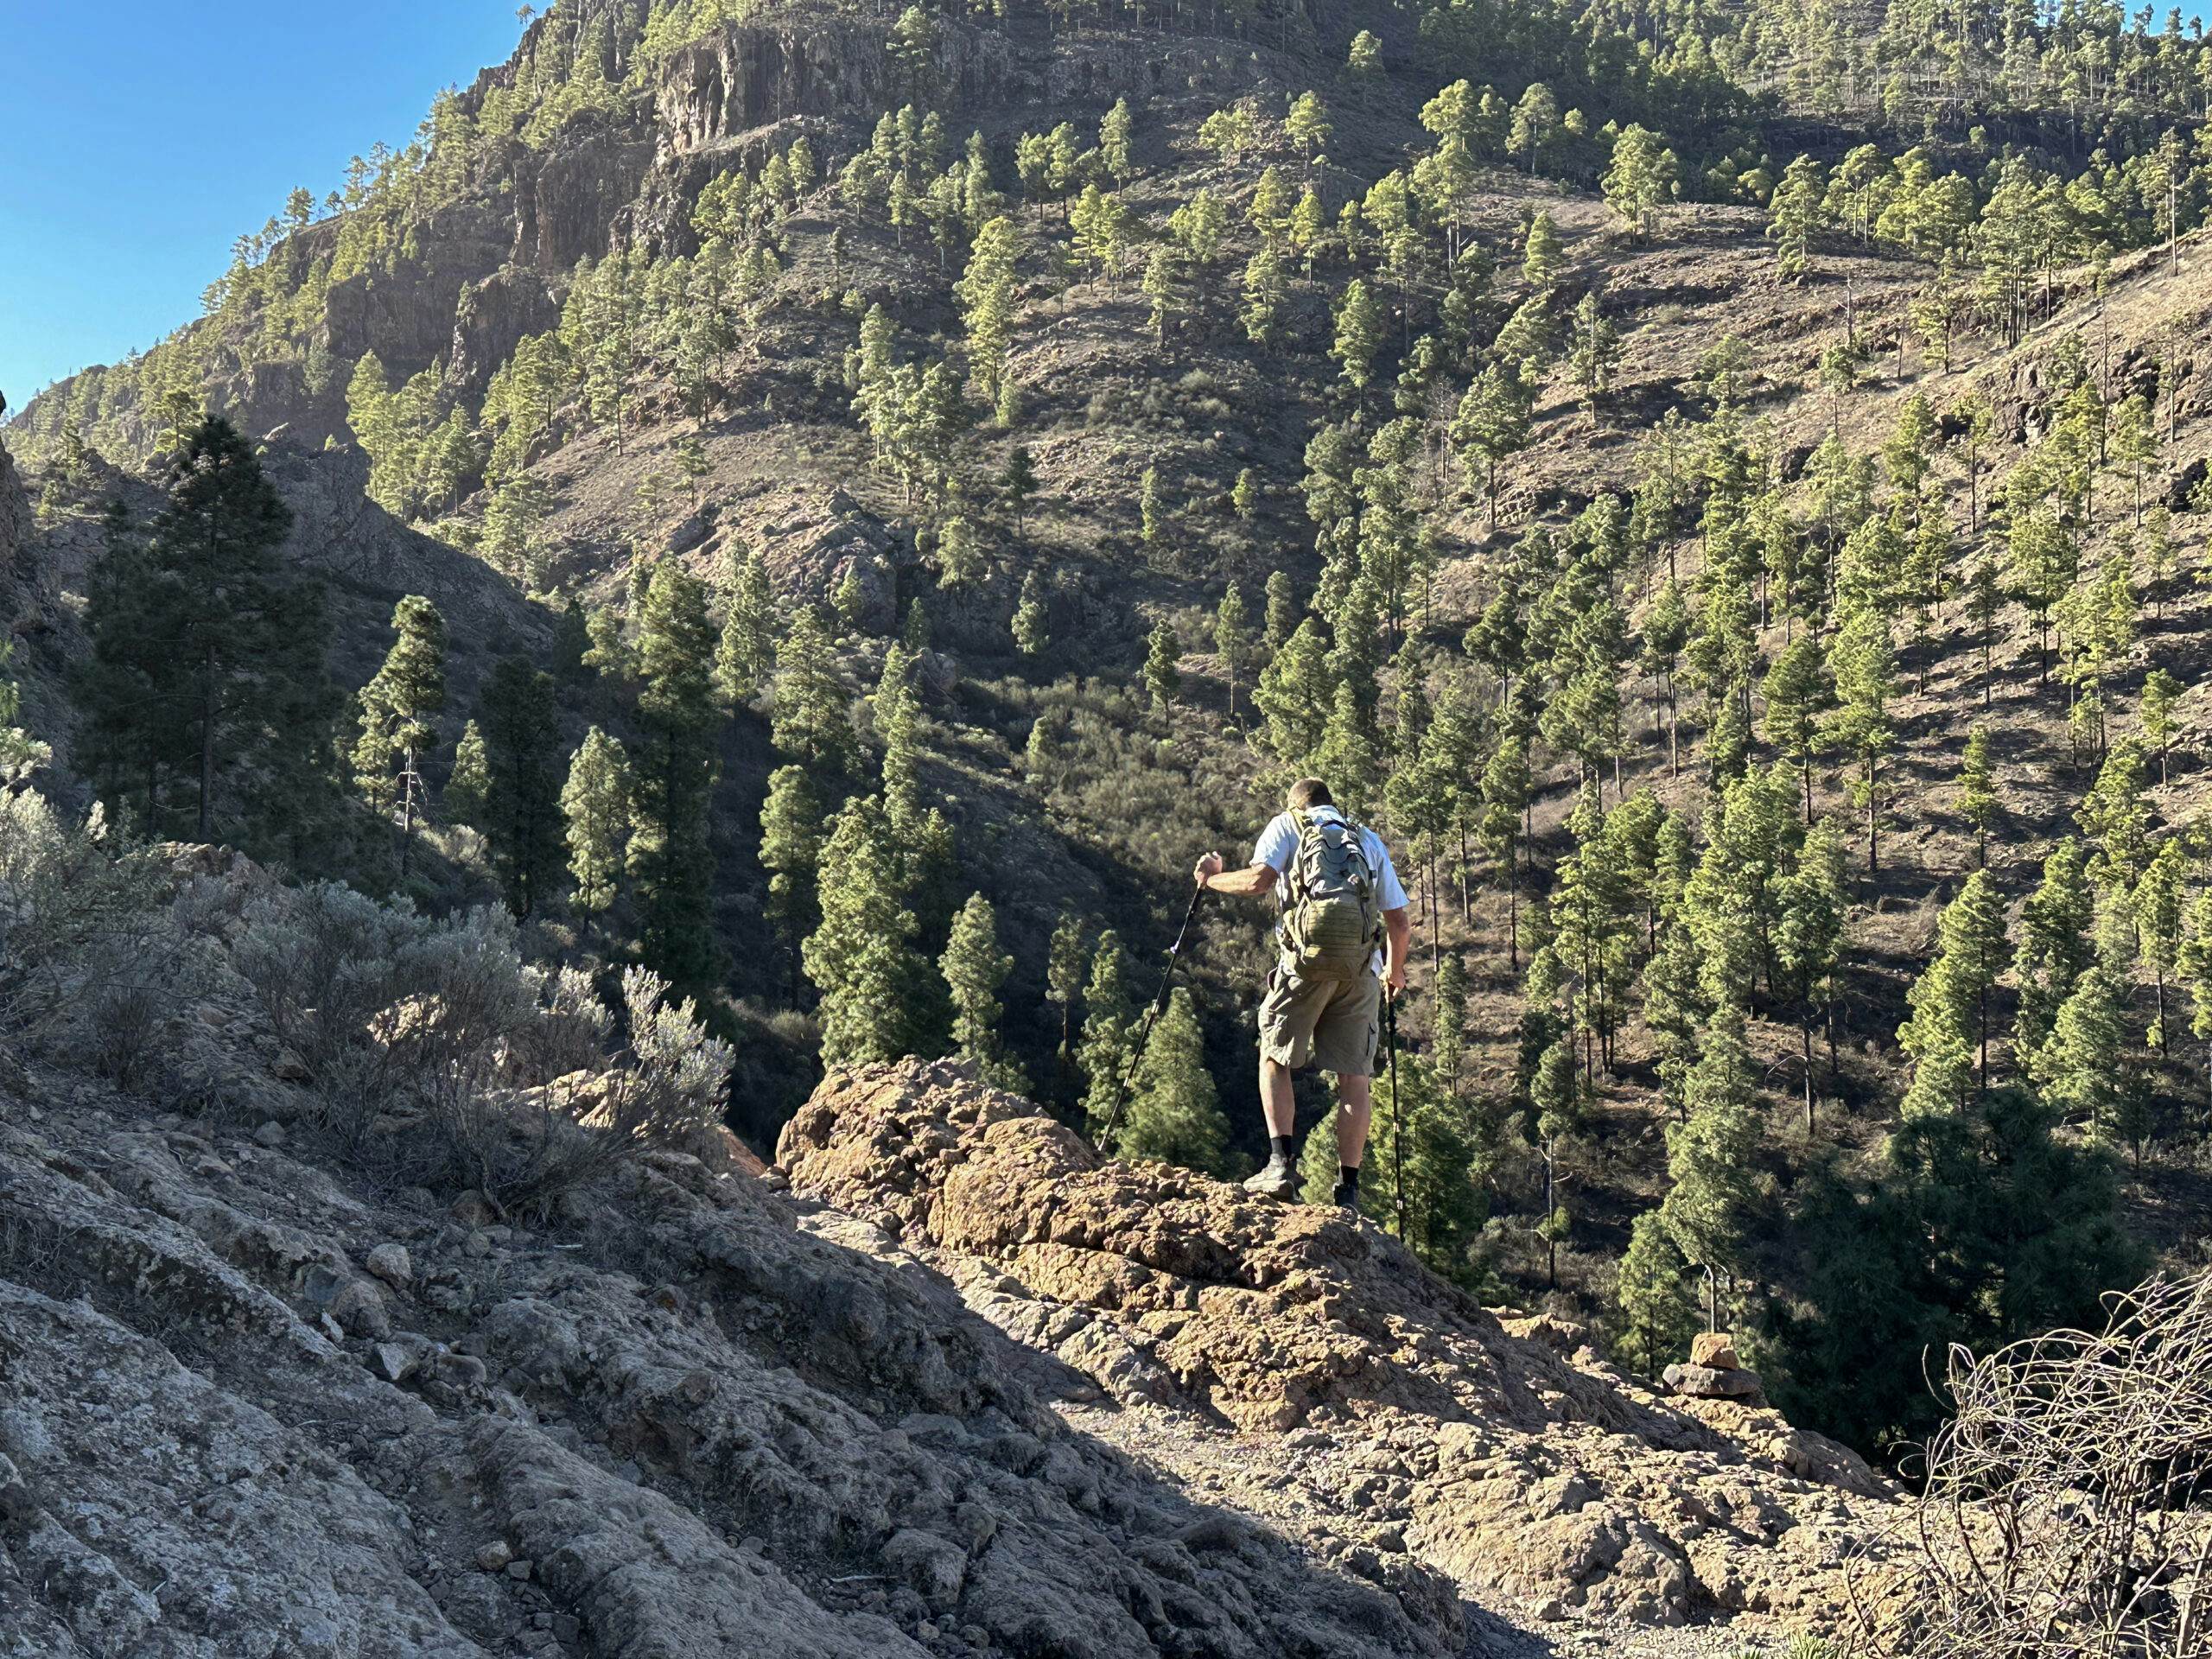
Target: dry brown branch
{"type": "Point", "coordinates": [2068, 1513]}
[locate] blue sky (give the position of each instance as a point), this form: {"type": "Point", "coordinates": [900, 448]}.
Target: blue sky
{"type": "Point", "coordinates": [138, 138]}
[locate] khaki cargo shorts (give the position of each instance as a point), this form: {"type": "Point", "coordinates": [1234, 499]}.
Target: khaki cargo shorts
{"type": "Point", "coordinates": [1331, 1023]}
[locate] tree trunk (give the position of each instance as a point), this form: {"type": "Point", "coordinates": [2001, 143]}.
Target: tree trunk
{"type": "Point", "coordinates": [207, 744]}
{"type": "Point", "coordinates": [1512, 910]}
{"type": "Point", "coordinates": [1805, 1032]}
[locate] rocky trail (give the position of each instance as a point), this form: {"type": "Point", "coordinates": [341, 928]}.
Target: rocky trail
{"type": "Point", "coordinates": [960, 1389]}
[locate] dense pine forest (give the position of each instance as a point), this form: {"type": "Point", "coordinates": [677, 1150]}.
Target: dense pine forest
{"type": "Point", "coordinates": [840, 507]}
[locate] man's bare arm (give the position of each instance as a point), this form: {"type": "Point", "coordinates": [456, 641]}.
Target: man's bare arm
{"type": "Point", "coordinates": [1398, 935]}
{"type": "Point", "coordinates": [1254, 881]}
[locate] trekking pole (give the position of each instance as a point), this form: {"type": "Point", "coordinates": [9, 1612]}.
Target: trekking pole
{"type": "Point", "coordinates": [1397, 1110]}
{"type": "Point", "coordinates": [1144, 1036]}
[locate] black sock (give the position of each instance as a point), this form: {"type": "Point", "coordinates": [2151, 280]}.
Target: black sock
{"type": "Point", "coordinates": [1284, 1146]}
{"type": "Point", "coordinates": [1348, 1179]}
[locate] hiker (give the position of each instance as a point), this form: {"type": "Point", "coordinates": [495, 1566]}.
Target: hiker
{"type": "Point", "coordinates": [1341, 939]}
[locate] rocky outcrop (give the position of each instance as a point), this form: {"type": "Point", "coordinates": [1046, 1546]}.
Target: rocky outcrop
{"type": "Point", "coordinates": [406, 315]}
{"type": "Point", "coordinates": [492, 318]}
{"type": "Point", "coordinates": [808, 560]}
{"type": "Point", "coordinates": [1522, 1465]}
{"type": "Point", "coordinates": [569, 198]}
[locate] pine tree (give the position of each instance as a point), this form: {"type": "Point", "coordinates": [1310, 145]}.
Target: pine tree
{"type": "Point", "coordinates": [671, 855]}
{"type": "Point", "coordinates": [1981, 1227]}
{"type": "Point", "coordinates": [1638, 178]}
{"type": "Point", "coordinates": [1798, 212]}
{"type": "Point", "coordinates": [463, 795]}
{"type": "Point", "coordinates": [1555, 1091]}
{"type": "Point", "coordinates": [1066, 959]}
{"type": "Point", "coordinates": [1263, 294]}
{"type": "Point", "coordinates": [1491, 426]}
{"type": "Point", "coordinates": [1162, 679]}
{"type": "Point", "coordinates": [1173, 1114]}
{"type": "Point", "coordinates": [2193, 964]}
{"type": "Point", "coordinates": [2083, 1068]}
{"type": "Point", "coordinates": [1236, 645]}
{"type": "Point", "coordinates": [974, 969]}
{"type": "Point", "coordinates": [1977, 798]}
{"type": "Point", "coordinates": [1948, 1035]}
{"type": "Point", "coordinates": [1506, 786]}
{"type": "Point", "coordinates": [861, 958]}
{"type": "Point", "coordinates": [1536, 124]}
{"type": "Point", "coordinates": [1542, 256]}
{"type": "Point", "coordinates": [2156, 908]}
{"type": "Point", "coordinates": [1031, 632]}
{"type": "Point", "coordinates": [1318, 1172]}
{"type": "Point", "coordinates": [1161, 284]}
{"type": "Point", "coordinates": [2155, 713]}
{"type": "Point", "coordinates": [1594, 352]}
{"type": "Point", "coordinates": [1447, 1037]}
{"type": "Point", "coordinates": [1361, 325]}
{"type": "Point", "coordinates": [812, 719]}
{"type": "Point", "coordinates": [1283, 614]}
{"type": "Point", "coordinates": [746, 650]}
{"type": "Point", "coordinates": [1654, 1301]}
{"type": "Point", "coordinates": [1861, 664]}
{"type": "Point", "coordinates": [1306, 126]}
{"type": "Point", "coordinates": [571, 643]}
{"type": "Point", "coordinates": [1018, 482]}
{"type": "Point", "coordinates": [1809, 938]}
{"type": "Point", "coordinates": [1115, 146]}
{"type": "Point", "coordinates": [790, 851]}
{"type": "Point", "coordinates": [986, 293]}
{"type": "Point", "coordinates": [522, 814]}
{"type": "Point", "coordinates": [1110, 1029]}
{"type": "Point", "coordinates": [2053, 947]}
{"type": "Point", "coordinates": [1707, 1210]}
{"type": "Point", "coordinates": [595, 802]}
{"type": "Point", "coordinates": [207, 661]}
{"type": "Point", "coordinates": [1420, 1179]}
{"type": "Point", "coordinates": [2116, 817]}
{"type": "Point", "coordinates": [399, 711]}
{"type": "Point", "coordinates": [1797, 695]}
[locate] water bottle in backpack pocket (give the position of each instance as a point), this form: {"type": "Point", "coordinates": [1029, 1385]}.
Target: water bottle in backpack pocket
{"type": "Point", "coordinates": [1333, 918]}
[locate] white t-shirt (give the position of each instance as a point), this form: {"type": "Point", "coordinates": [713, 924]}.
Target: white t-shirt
{"type": "Point", "coordinates": [1278, 843]}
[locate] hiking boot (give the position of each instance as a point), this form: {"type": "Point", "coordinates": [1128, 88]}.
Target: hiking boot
{"type": "Point", "coordinates": [1278, 1181]}
{"type": "Point", "coordinates": [1347, 1198]}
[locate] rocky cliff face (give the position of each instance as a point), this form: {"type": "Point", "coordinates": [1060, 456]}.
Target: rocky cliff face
{"type": "Point", "coordinates": [726, 86]}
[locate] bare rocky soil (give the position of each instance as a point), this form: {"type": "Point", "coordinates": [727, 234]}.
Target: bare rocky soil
{"type": "Point", "coordinates": [960, 1390]}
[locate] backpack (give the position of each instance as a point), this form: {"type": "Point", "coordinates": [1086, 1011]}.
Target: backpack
{"type": "Point", "coordinates": [1331, 922]}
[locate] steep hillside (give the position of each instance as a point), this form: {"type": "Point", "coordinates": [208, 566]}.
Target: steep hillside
{"type": "Point", "coordinates": [1721, 488]}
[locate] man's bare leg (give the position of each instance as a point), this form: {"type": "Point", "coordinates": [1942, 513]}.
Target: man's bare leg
{"type": "Point", "coordinates": [1355, 1112]}
{"type": "Point", "coordinates": [1277, 1099]}
{"type": "Point", "coordinates": [1280, 1178]}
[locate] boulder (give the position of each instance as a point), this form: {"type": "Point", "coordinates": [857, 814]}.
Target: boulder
{"type": "Point", "coordinates": [1711, 1383]}
{"type": "Point", "coordinates": [392, 1263]}
{"type": "Point", "coordinates": [1715, 1350]}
